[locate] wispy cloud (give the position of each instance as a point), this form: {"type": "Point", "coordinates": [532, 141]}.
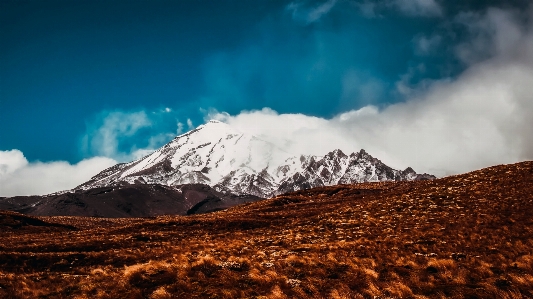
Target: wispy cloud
{"type": "Point", "coordinates": [426, 8]}
{"type": "Point", "coordinates": [412, 8]}
{"type": "Point", "coordinates": [496, 32]}
{"type": "Point", "coordinates": [301, 12]}
{"type": "Point", "coordinates": [367, 8]}
{"type": "Point", "coordinates": [104, 139]}
{"type": "Point", "coordinates": [128, 135]}
{"type": "Point", "coordinates": [425, 45]}
{"type": "Point", "coordinates": [20, 177]}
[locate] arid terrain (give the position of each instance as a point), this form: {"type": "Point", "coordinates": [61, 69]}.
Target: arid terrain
{"type": "Point", "coordinates": [465, 236]}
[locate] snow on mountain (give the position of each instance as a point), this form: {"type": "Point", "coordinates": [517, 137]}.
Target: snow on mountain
{"type": "Point", "coordinates": [234, 162]}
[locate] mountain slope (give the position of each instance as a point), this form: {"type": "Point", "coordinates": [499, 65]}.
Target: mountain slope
{"type": "Point", "coordinates": [464, 236]}
{"type": "Point", "coordinates": [139, 200]}
{"type": "Point", "coordinates": [234, 162]}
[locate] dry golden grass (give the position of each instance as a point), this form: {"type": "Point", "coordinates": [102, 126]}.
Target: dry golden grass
{"type": "Point", "coordinates": [467, 236]}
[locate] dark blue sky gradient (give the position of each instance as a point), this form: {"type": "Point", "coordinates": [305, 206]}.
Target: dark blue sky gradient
{"type": "Point", "coordinates": [65, 64]}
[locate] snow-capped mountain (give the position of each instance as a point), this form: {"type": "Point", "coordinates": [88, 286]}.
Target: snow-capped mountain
{"type": "Point", "coordinates": [230, 161]}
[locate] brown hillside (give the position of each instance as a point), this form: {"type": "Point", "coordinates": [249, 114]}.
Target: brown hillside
{"type": "Point", "coordinates": [465, 236]}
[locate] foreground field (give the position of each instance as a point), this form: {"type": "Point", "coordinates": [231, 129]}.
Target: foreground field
{"type": "Point", "coordinates": [467, 236]}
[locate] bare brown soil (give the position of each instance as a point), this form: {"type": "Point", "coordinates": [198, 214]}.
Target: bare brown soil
{"type": "Point", "coordinates": [466, 236]}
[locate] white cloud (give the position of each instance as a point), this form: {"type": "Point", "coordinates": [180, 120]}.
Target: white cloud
{"type": "Point", "coordinates": [481, 118]}
{"type": "Point", "coordinates": [407, 88]}
{"type": "Point", "coordinates": [310, 15]}
{"type": "Point", "coordinates": [38, 178]}
{"type": "Point", "coordinates": [11, 161]}
{"type": "Point", "coordinates": [497, 32]}
{"type": "Point", "coordinates": [295, 133]}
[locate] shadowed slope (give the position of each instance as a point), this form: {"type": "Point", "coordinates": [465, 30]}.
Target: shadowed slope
{"type": "Point", "coordinates": [140, 200]}
{"type": "Point", "coordinates": [15, 222]}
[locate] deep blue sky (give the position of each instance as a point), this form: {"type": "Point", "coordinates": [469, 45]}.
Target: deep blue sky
{"type": "Point", "coordinates": [65, 66]}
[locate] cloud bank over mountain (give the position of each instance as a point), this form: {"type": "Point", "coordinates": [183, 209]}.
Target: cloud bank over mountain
{"type": "Point", "coordinates": [20, 177]}
{"type": "Point", "coordinates": [481, 118]}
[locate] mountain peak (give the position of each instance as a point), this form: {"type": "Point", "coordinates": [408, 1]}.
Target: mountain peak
{"type": "Point", "coordinates": [234, 162]}
{"type": "Point", "coordinates": [215, 124]}
{"type": "Point", "coordinates": [336, 154]}
{"type": "Point", "coordinates": [211, 131]}
{"type": "Point", "coordinates": [362, 152]}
